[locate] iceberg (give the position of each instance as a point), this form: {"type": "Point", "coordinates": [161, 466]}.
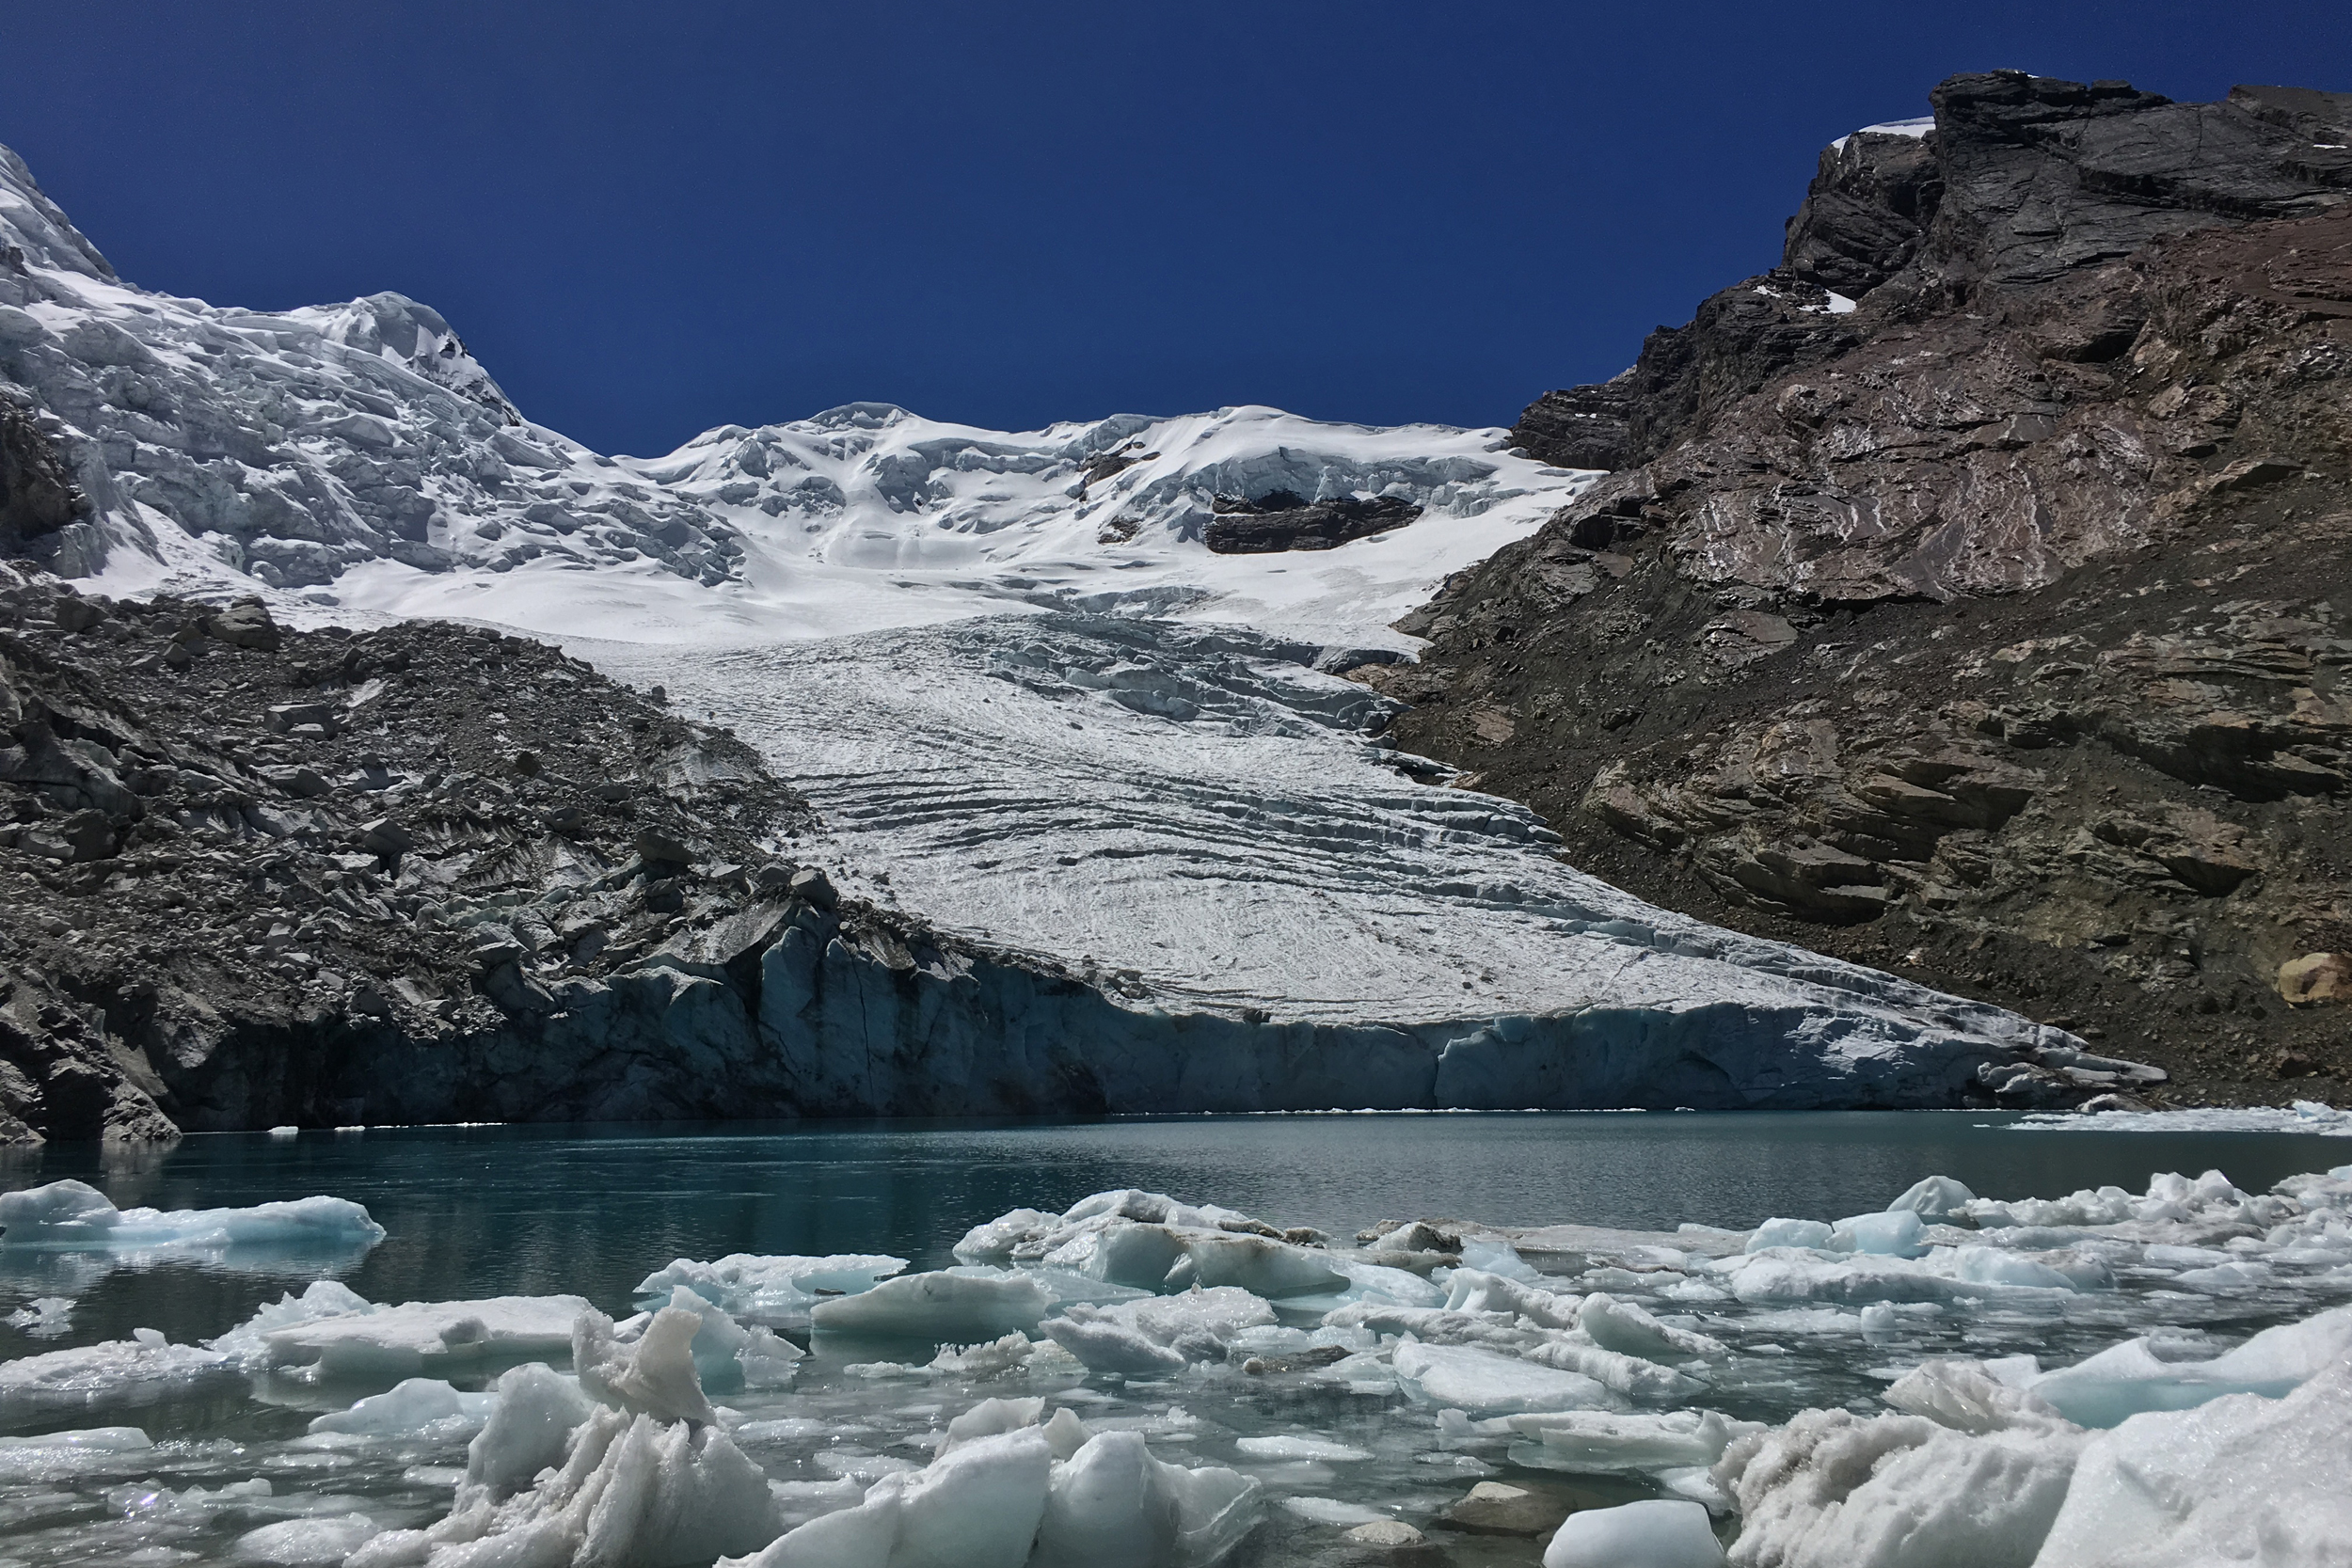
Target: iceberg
{"type": "Point", "coordinates": [2132, 1378]}
{"type": "Point", "coordinates": [1005, 1500]}
{"type": "Point", "coordinates": [1657, 1534]}
{"type": "Point", "coordinates": [956, 1305]}
{"type": "Point", "coordinates": [2241, 1479]}
{"type": "Point", "coordinates": [1158, 1335]}
{"type": "Point", "coordinates": [420, 1337]}
{"type": "Point", "coordinates": [777, 1291]}
{"type": "Point", "coordinates": [1461, 1377]}
{"type": "Point", "coordinates": [417, 1407]}
{"type": "Point", "coordinates": [1594, 1442]}
{"type": "Point", "coordinates": [625, 1465]}
{"type": "Point", "coordinates": [141, 1369]}
{"type": "Point", "coordinates": [75, 1215]}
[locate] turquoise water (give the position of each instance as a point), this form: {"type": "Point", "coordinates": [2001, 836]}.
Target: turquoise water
{"type": "Point", "coordinates": [479, 1211]}
{"type": "Point", "coordinates": [491, 1211]}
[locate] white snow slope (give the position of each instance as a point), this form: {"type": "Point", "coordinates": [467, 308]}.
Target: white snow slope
{"type": "Point", "coordinates": [1034, 707]}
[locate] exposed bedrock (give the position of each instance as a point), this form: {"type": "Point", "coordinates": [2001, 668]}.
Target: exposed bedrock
{"type": "Point", "coordinates": [1287, 521]}
{"type": "Point", "coordinates": [1992, 631]}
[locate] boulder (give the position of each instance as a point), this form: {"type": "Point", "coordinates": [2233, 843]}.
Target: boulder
{"type": "Point", "coordinates": [245, 623]}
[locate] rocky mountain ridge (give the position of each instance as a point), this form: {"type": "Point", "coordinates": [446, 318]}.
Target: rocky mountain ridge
{"type": "Point", "coordinates": [1970, 596]}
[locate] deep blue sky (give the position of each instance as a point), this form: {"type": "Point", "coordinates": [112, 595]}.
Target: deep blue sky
{"type": "Point", "coordinates": [650, 219]}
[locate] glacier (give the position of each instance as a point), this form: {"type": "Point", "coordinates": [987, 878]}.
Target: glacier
{"type": "Point", "coordinates": [1038, 713]}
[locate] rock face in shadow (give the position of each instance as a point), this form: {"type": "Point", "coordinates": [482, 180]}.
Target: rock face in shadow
{"type": "Point", "coordinates": [38, 496]}
{"type": "Point", "coordinates": [1992, 631]}
{"type": "Point", "coordinates": [1286, 521]}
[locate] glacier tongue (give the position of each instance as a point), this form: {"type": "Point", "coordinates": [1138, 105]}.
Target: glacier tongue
{"type": "Point", "coordinates": [1206, 826]}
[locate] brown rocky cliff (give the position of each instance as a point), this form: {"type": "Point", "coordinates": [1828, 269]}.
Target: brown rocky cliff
{"type": "Point", "coordinates": [1992, 630]}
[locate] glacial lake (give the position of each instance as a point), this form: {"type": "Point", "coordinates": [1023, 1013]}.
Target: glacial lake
{"type": "Point", "coordinates": [590, 1210]}
{"type": "Point", "coordinates": [233, 1473]}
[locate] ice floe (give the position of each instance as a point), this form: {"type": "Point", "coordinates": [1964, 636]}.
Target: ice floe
{"type": "Point", "coordinates": [73, 1214]}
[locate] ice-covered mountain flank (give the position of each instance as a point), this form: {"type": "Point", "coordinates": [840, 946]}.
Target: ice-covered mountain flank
{"type": "Point", "coordinates": [1099, 826]}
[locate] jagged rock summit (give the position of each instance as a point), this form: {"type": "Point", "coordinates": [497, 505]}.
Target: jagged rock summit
{"type": "Point", "coordinates": [1969, 594]}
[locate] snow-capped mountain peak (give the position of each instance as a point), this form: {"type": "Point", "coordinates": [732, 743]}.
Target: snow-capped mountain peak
{"type": "Point", "coordinates": [357, 457]}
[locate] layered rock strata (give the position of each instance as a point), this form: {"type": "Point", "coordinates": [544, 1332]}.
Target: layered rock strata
{"type": "Point", "coordinates": [1971, 596]}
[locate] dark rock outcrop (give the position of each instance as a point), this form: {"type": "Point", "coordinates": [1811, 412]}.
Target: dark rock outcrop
{"type": "Point", "coordinates": [1284, 521]}
{"type": "Point", "coordinates": [1993, 631]}
{"type": "Point", "coordinates": [38, 496]}
{"type": "Point", "coordinates": [2025, 180]}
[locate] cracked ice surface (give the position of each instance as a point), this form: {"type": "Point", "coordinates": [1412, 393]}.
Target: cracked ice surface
{"type": "Point", "coordinates": [1202, 822]}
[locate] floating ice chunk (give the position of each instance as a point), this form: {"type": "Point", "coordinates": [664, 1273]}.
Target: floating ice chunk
{"type": "Point", "coordinates": [1258, 1264]}
{"type": "Point", "coordinates": [2132, 1377]}
{"type": "Point", "coordinates": [1624, 1327]}
{"type": "Point", "coordinates": [991, 1358]}
{"type": "Point", "coordinates": [1631, 1375]}
{"type": "Point", "coordinates": [249, 1341]}
{"type": "Point", "coordinates": [655, 1376]}
{"type": "Point", "coordinates": [1297, 1447]}
{"type": "Point", "coordinates": [729, 1355]}
{"type": "Point", "coordinates": [304, 1543]}
{"type": "Point", "coordinates": [979, 1507]}
{"type": "Point", "coordinates": [1893, 1234]}
{"type": "Point", "coordinates": [56, 1456]}
{"type": "Point", "coordinates": [955, 1305]}
{"type": "Point", "coordinates": [992, 1419]}
{"type": "Point", "coordinates": [1659, 1533]}
{"type": "Point", "coordinates": [1790, 1233]}
{"type": "Point", "coordinates": [1370, 1281]}
{"type": "Point", "coordinates": [1969, 1396]}
{"type": "Point", "coordinates": [1493, 1255]}
{"type": "Point", "coordinates": [1945, 1274]}
{"type": "Point", "coordinates": [1332, 1510]}
{"type": "Point", "coordinates": [1476, 1290]}
{"type": "Point", "coordinates": [138, 1370]}
{"type": "Point", "coordinates": [2241, 1479]}
{"type": "Point", "coordinates": [285, 1129]}
{"type": "Point", "coordinates": [73, 1214]}
{"type": "Point", "coordinates": [993, 1241]}
{"type": "Point", "coordinates": [1107, 1345]}
{"type": "Point", "coordinates": [631, 1490]}
{"type": "Point", "coordinates": [420, 1337]}
{"type": "Point", "coordinates": [775, 1290]}
{"type": "Point", "coordinates": [1114, 1506]}
{"type": "Point", "coordinates": [1985, 1265]}
{"type": "Point", "coordinates": [1830, 1487]}
{"type": "Point", "coordinates": [88, 1440]}
{"type": "Point", "coordinates": [531, 1417]}
{"type": "Point", "coordinates": [44, 1317]}
{"type": "Point", "coordinates": [1936, 1199]}
{"type": "Point", "coordinates": [1486, 1383]}
{"type": "Point", "coordinates": [418, 1407]}
{"type": "Point", "coordinates": [1594, 1442]}
{"type": "Point", "coordinates": [1158, 1335]}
